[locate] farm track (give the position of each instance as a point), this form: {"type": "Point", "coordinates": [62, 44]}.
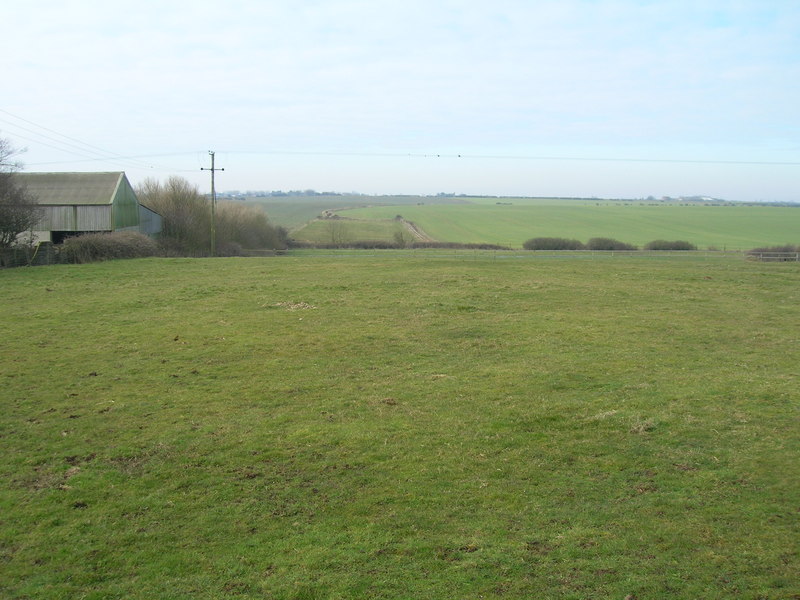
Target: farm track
{"type": "Point", "coordinates": [419, 234]}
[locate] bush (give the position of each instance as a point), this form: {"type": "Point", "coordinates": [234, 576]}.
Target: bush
{"type": "Point", "coordinates": [458, 246]}
{"type": "Point", "coordinates": [384, 245]}
{"type": "Point", "coordinates": [186, 214]}
{"type": "Point", "coordinates": [784, 248]}
{"type": "Point", "coordinates": [186, 225]}
{"type": "Point", "coordinates": [608, 244]}
{"type": "Point", "coordinates": [600, 243]}
{"type": "Point", "coordinates": [248, 226]}
{"type": "Point", "coordinates": [545, 243]}
{"type": "Point", "coordinates": [93, 247]}
{"type": "Point", "coordinates": [230, 249]}
{"type": "Point", "coordinates": [666, 245]}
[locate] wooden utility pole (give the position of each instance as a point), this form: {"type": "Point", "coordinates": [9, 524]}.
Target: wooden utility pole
{"type": "Point", "coordinates": [213, 205]}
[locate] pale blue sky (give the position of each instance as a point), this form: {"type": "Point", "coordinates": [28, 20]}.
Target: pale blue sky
{"type": "Point", "coordinates": [383, 96]}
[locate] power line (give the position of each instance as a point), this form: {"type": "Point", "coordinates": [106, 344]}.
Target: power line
{"type": "Point", "coordinates": [213, 169]}
{"type": "Point", "coordinates": [424, 155]}
{"type": "Point", "coordinates": [82, 147]}
{"type": "Point", "coordinates": [510, 157]}
{"type": "Point", "coordinates": [137, 156]}
{"type": "Point", "coordinates": [89, 152]}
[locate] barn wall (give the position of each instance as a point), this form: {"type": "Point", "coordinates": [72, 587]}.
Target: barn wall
{"type": "Point", "coordinates": [149, 222]}
{"type": "Point", "coordinates": [57, 218]}
{"type": "Point", "coordinates": [75, 218]}
{"type": "Point", "coordinates": [93, 218]}
{"type": "Point", "coordinates": [126, 206]}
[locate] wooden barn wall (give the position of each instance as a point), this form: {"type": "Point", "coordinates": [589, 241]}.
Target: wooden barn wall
{"type": "Point", "coordinates": [75, 218]}
{"type": "Point", "coordinates": [93, 218]}
{"type": "Point", "coordinates": [57, 218]}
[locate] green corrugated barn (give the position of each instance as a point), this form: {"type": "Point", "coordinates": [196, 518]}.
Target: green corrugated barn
{"type": "Point", "coordinates": [75, 203]}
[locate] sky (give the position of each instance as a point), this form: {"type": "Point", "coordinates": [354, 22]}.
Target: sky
{"type": "Point", "coordinates": [591, 98]}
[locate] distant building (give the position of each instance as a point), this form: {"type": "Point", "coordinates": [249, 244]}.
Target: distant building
{"type": "Point", "coordinates": [75, 203]}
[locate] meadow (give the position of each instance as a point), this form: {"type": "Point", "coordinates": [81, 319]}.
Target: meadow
{"type": "Point", "coordinates": [346, 231]}
{"type": "Point", "coordinates": [387, 426]}
{"type": "Point", "coordinates": [292, 212]}
{"type": "Point", "coordinates": [511, 221]}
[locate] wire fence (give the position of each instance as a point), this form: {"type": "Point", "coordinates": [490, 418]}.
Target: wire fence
{"type": "Point", "coordinates": [44, 253]}
{"type": "Point", "coordinates": [470, 254]}
{"type": "Point", "coordinates": [765, 256]}
{"type": "Point", "coordinates": [47, 254]}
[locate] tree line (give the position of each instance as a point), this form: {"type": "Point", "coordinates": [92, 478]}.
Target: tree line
{"type": "Point", "coordinates": [602, 243]}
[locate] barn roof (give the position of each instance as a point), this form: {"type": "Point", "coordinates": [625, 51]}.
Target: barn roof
{"type": "Point", "coordinates": [72, 188]}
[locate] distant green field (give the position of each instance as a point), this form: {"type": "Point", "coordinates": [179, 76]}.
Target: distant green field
{"type": "Point", "coordinates": [516, 220]}
{"type": "Point", "coordinates": [343, 231]}
{"type": "Point", "coordinates": [293, 212]}
{"type": "Point", "coordinates": [387, 425]}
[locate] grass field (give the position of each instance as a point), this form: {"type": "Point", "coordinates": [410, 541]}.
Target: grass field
{"type": "Point", "coordinates": [343, 231]}
{"type": "Point", "coordinates": [293, 212]}
{"type": "Point", "coordinates": [732, 227]}
{"type": "Point", "coordinates": [384, 427]}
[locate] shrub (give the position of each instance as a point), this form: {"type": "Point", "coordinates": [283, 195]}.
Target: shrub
{"type": "Point", "coordinates": [459, 246]}
{"type": "Point", "coordinates": [230, 249]}
{"type": "Point", "coordinates": [784, 248]}
{"type": "Point", "coordinates": [371, 245]}
{"type": "Point", "coordinates": [186, 228]}
{"type": "Point", "coordinates": [600, 243]}
{"type": "Point", "coordinates": [186, 214]}
{"type": "Point", "coordinates": [384, 245]}
{"type": "Point", "coordinates": [667, 245]}
{"type": "Point", "coordinates": [546, 243]}
{"type": "Point", "coordinates": [92, 247]}
{"type": "Point", "coordinates": [247, 226]}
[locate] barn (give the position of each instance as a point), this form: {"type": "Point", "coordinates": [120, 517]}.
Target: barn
{"type": "Point", "coordinates": [75, 203]}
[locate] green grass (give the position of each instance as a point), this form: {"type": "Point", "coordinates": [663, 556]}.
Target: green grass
{"type": "Point", "coordinates": [729, 227]}
{"type": "Point", "coordinates": [383, 427]}
{"type": "Point", "coordinates": [338, 231]}
{"type": "Point", "coordinates": [293, 212]}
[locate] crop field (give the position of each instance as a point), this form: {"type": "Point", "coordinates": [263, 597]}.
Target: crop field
{"type": "Point", "coordinates": [293, 212]}
{"type": "Point", "coordinates": [509, 222]}
{"type": "Point", "coordinates": [343, 231]}
{"type": "Point", "coordinates": [376, 426]}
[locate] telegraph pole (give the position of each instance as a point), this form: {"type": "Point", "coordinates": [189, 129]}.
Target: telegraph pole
{"type": "Point", "coordinates": [213, 205]}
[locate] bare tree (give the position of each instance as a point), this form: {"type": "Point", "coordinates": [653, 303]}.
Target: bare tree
{"type": "Point", "coordinates": [337, 232]}
{"type": "Point", "coordinates": [18, 210]}
{"type": "Point", "coordinates": [186, 213]}
{"type": "Point", "coordinates": [248, 226]}
{"type": "Point", "coordinates": [187, 219]}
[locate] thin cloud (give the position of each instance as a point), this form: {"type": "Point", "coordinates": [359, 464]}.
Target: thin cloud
{"type": "Point", "coordinates": [562, 77]}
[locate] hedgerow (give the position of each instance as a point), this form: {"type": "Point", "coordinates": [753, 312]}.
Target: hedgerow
{"type": "Point", "coordinates": [601, 243]}
{"type": "Point", "coordinates": [93, 247]}
{"type": "Point", "coordinates": [384, 245]}
{"type": "Point", "coordinates": [669, 245]}
{"type": "Point", "coordinates": [552, 243]}
{"type": "Point", "coordinates": [783, 248]}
